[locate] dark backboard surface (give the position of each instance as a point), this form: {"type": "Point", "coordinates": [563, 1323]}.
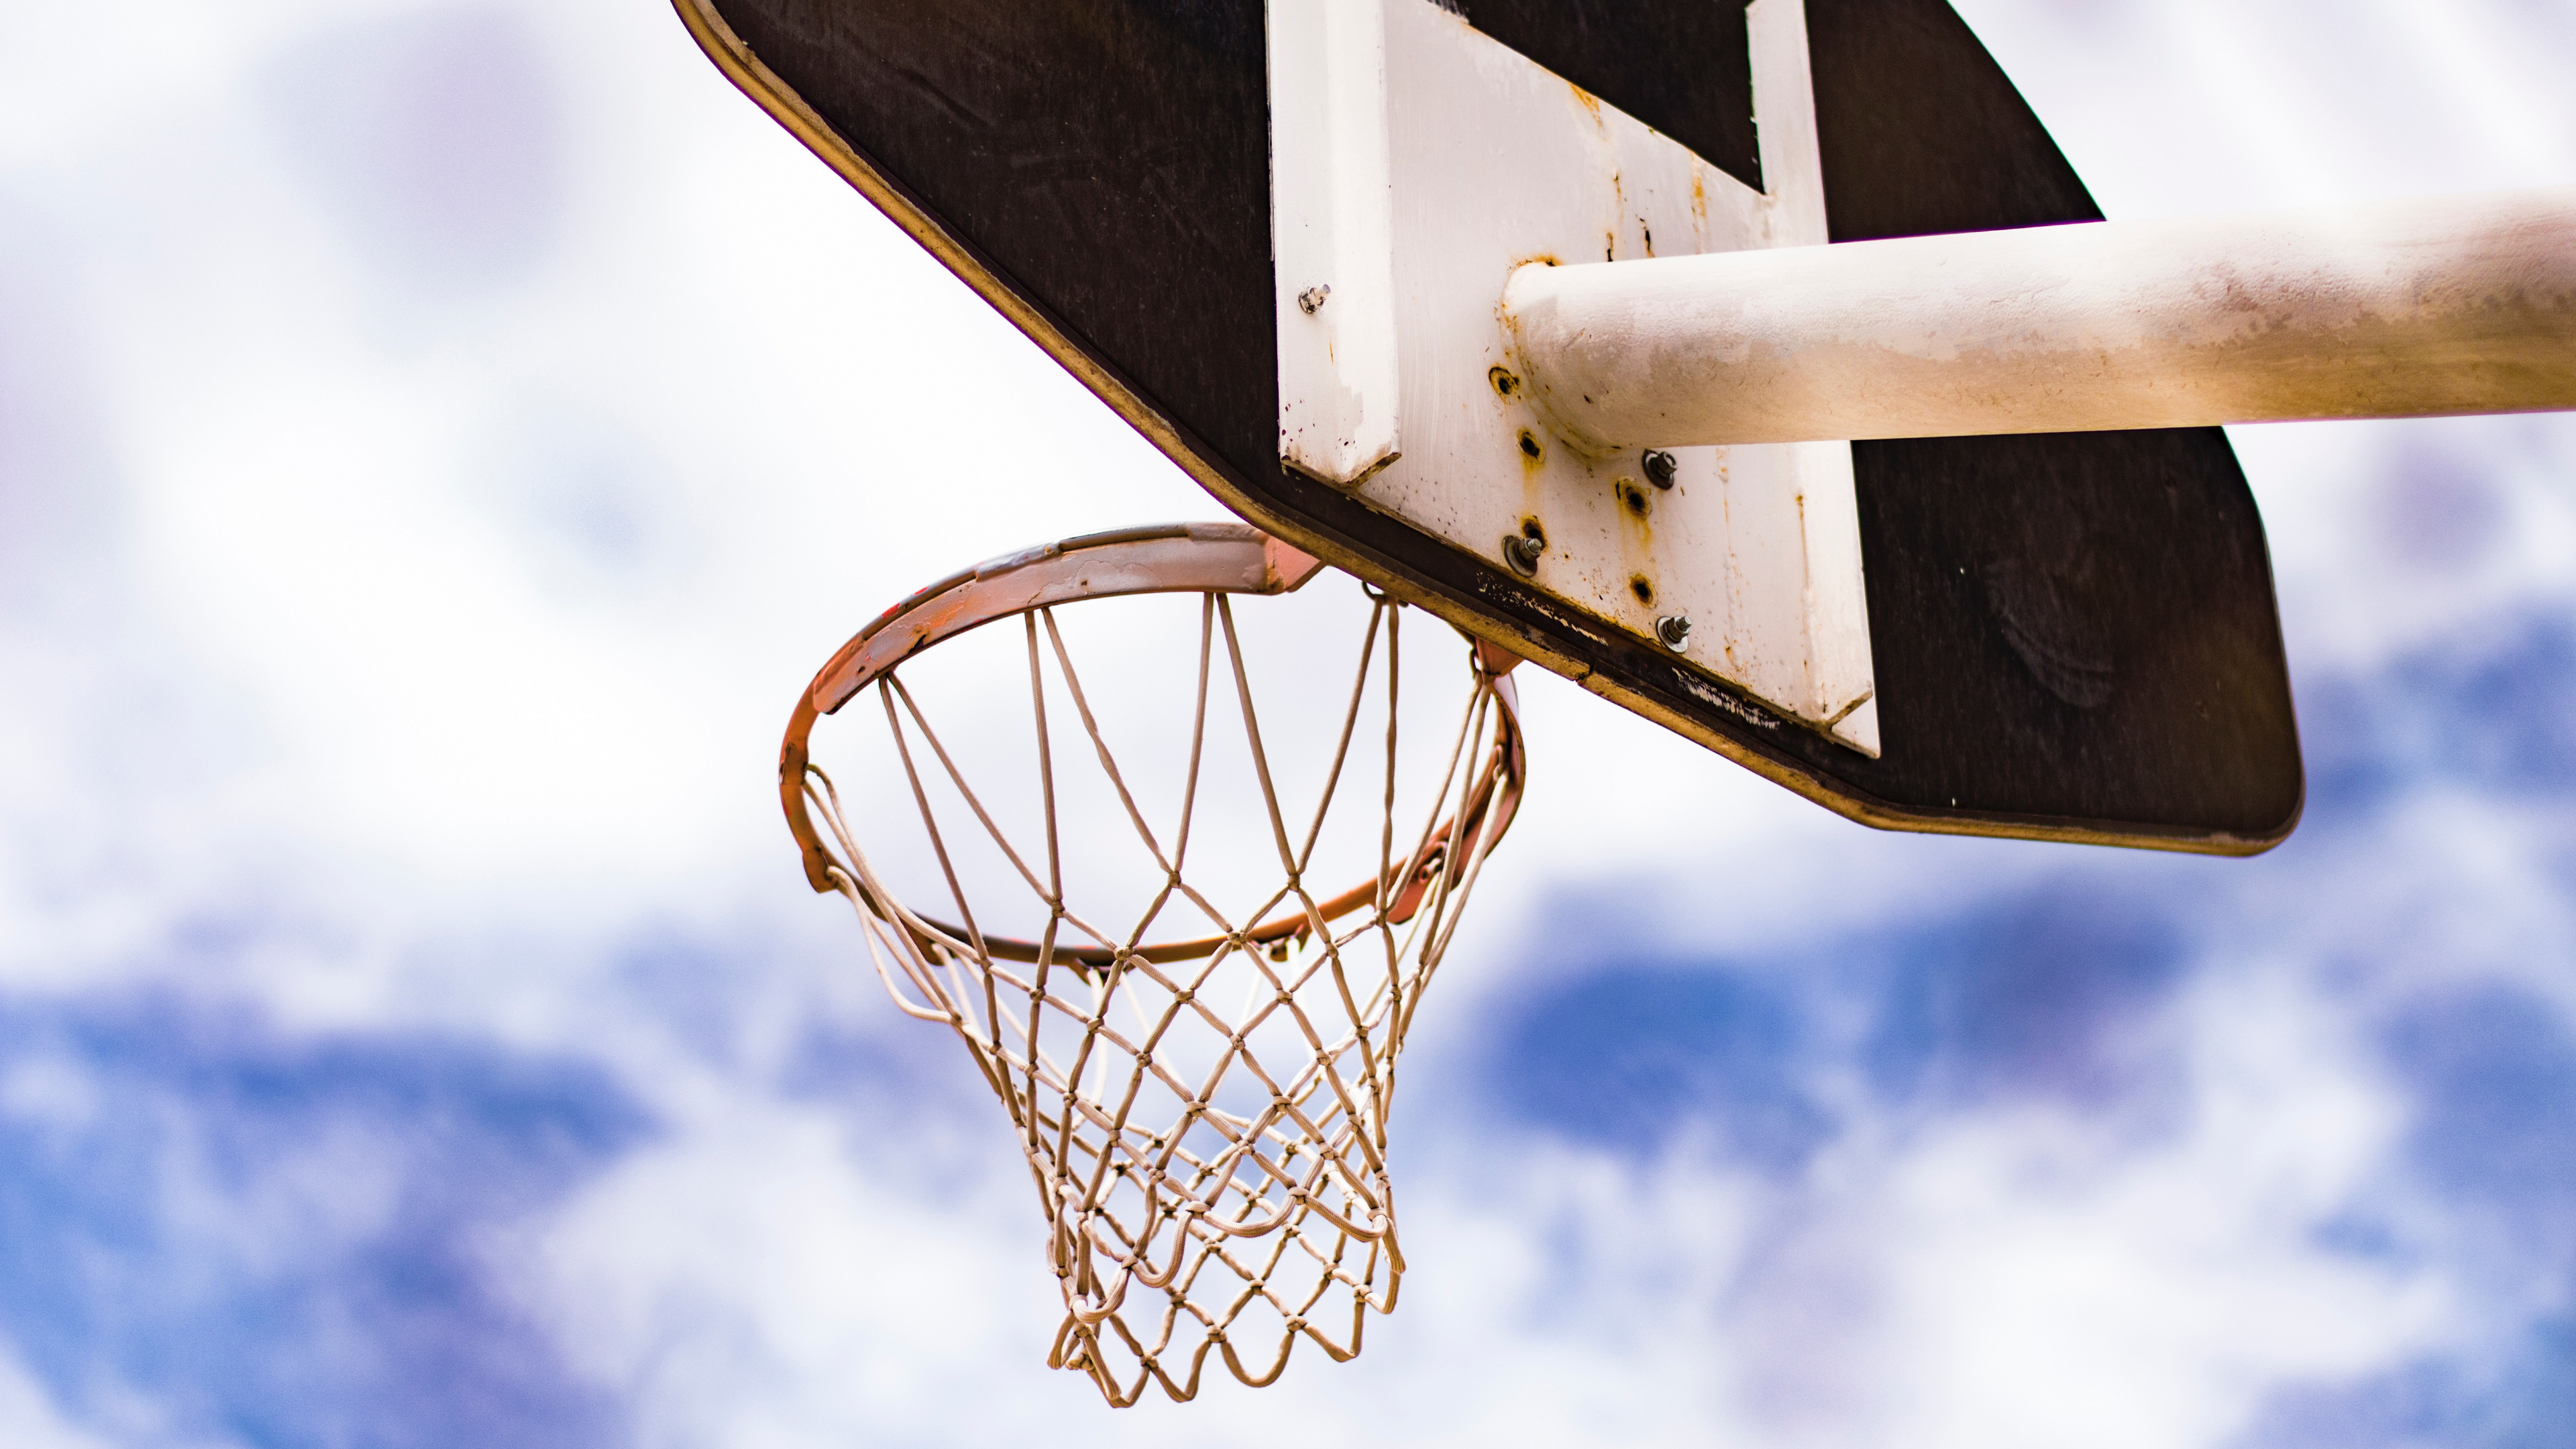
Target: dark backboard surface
{"type": "Point", "coordinates": [2074, 635]}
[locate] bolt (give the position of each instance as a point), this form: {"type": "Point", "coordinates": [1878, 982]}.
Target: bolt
{"type": "Point", "coordinates": [1659, 467]}
{"type": "Point", "coordinates": [1522, 554]}
{"type": "Point", "coordinates": [1312, 299]}
{"type": "Point", "coordinates": [1674, 630]}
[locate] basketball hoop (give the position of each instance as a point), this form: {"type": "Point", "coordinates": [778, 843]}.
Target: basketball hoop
{"type": "Point", "coordinates": [1203, 1111]}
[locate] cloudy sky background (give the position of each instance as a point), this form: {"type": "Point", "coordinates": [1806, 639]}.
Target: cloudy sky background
{"type": "Point", "coordinates": [437, 439]}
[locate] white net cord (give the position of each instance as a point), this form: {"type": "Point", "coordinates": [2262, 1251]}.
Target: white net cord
{"type": "Point", "coordinates": [1205, 1121]}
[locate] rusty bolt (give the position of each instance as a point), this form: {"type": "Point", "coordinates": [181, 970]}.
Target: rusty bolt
{"type": "Point", "coordinates": [1674, 630]}
{"type": "Point", "coordinates": [1659, 467]}
{"type": "Point", "coordinates": [1312, 299]}
{"type": "Point", "coordinates": [1522, 554]}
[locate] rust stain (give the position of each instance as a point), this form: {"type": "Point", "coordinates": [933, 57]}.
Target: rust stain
{"type": "Point", "coordinates": [1610, 236]}
{"type": "Point", "coordinates": [1532, 453]}
{"type": "Point", "coordinates": [1531, 450]}
{"type": "Point", "coordinates": [1635, 507]}
{"type": "Point", "coordinates": [1634, 504]}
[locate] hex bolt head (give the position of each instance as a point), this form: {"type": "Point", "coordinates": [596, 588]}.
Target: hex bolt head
{"type": "Point", "coordinates": [1312, 299]}
{"type": "Point", "coordinates": [1659, 467]}
{"type": "Point", "coordinates": [1674, 630]}
{"type": "Point", "coordinates": [1522, 554]}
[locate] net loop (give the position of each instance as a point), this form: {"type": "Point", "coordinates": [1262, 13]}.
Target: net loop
{"type": "Point", "coordinates": [1229, 1163]}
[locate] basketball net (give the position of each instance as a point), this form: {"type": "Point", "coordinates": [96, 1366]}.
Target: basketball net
{"type": "Point", "coordinates": [1205, 1119]}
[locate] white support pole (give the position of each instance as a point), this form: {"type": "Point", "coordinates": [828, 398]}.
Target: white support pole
{"type": "Point", "coordinates": [2457, 305]}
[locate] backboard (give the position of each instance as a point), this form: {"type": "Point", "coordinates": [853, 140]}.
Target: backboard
{"type": "Point", "coordinates": [2056, 636]}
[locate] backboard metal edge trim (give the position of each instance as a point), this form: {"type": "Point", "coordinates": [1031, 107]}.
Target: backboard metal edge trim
{"type": "Point", "coordinates": [772, 94]}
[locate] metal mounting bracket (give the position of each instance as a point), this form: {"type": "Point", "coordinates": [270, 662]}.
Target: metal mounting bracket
{"type": "Point", "coordinates": [1416, 162]}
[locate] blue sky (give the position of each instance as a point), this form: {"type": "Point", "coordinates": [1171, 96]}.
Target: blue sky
{"type": "Point", "coordinates": [436, 439]}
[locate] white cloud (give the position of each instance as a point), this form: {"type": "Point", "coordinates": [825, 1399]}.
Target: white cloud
{"type": "Point", "coordinates": [2049, 1285]}
{"type": "Point", "coordinates": [758, 1281]}
{"type": "Point", "coordinates": [29, 1419]}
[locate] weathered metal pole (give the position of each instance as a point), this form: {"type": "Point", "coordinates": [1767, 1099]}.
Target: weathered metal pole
{"type": "Point", "coordinates": [2457, 305]}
